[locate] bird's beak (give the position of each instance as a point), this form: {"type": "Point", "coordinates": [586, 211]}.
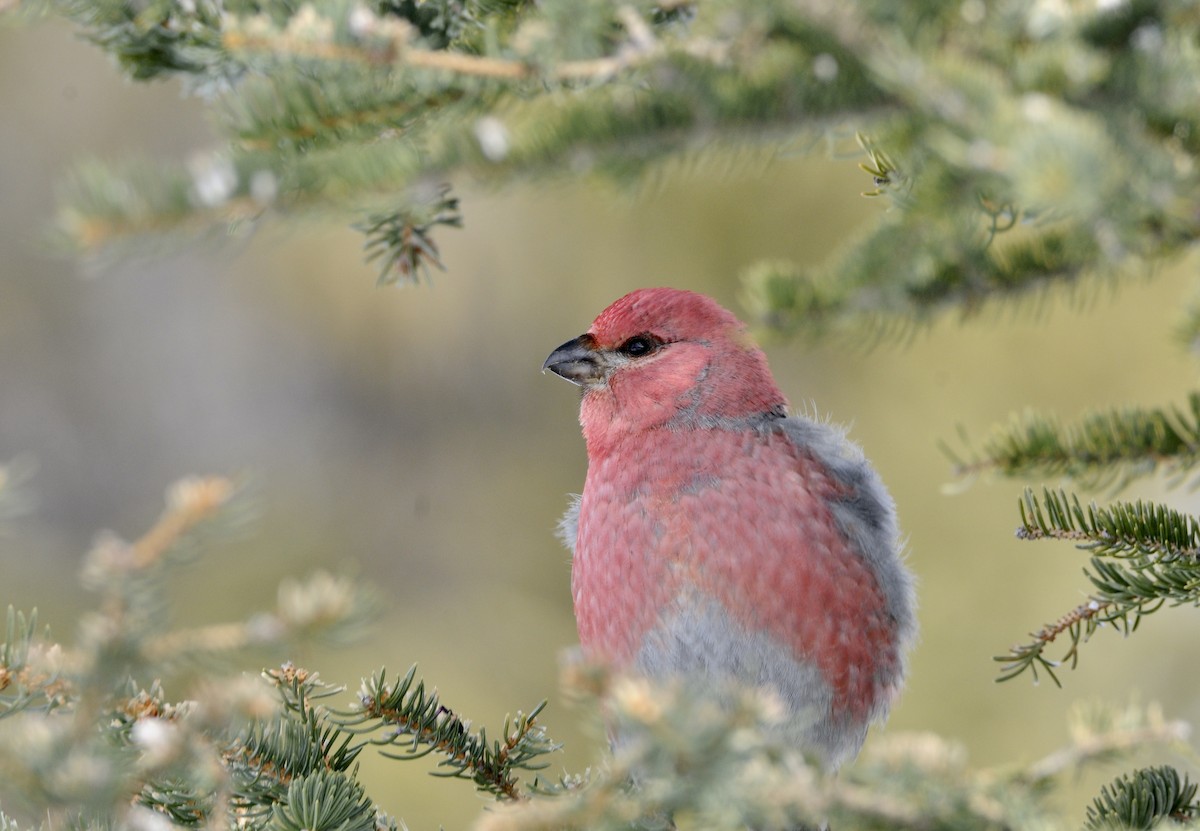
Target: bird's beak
{"type": "Point", "coordinates": [578, 360]}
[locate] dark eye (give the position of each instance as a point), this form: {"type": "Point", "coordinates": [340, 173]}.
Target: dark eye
{"type": "Point", "coordinates": [639, 345]}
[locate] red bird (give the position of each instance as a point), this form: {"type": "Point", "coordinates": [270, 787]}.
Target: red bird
{"type": "Point", "coordinates": [720, 538]}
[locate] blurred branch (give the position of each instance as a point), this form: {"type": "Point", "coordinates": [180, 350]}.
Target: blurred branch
{"type": "Point", "coordinates": [30, 667]}
{"type": "Point", "coordinates": [16, 497]}
{"type": "Point", "coordinates": [738, 774]}
{"type": "Point", "coordinates": [402, 241]}
{"type": "Point", "coordinates": [190, 502]}
{"type": "Point", "coordinates": [92, 734]}
{"type": "Point", "coordinates": [389, 43]}
{"type": "Point", "coordinates": [279, 756]}
{"type": "Point", "coordinates": [1105, 449]}
{"type": "Point", "coordinates": [1104, 734]}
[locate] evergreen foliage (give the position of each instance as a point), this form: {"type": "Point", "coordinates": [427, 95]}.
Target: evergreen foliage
{"type": "Point", "coordinates": [1144, 555]}
{"type": "Point", "coordinates": [93, 737]}
{"type": "Point", "coordinates": [28, 688]}
{"type": "Point", "coordinates": [402, 241]}
{"type": "Point", "coordinates": [1018, 145]}
{"type": "Point", "coordinates": [417, 724]}
{"type": "Point", "coordinates": [720, 768]}
{"type": "Point", "coordinates": [1144, 800]}
{"type": "Point", "coordinates": [1106, 449]}
{"type": "Point", "coordinates": [94, 740]}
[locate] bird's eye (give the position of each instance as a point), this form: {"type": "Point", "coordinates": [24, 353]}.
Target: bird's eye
{"type": "Point", "coordinates": [639, 345]}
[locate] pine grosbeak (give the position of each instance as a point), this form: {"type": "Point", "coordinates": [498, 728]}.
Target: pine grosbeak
{"type": "Point", "coordinates": [719, 538]}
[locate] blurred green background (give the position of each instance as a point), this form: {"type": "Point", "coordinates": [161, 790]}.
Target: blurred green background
{"type": "Point", "coordinates": [407, 434]}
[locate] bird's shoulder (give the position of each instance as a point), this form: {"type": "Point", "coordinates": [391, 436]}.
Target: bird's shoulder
{"type": "Point", "coordinates": [844, 462]}
{"type": "Point", "coordinates": [863, 509]}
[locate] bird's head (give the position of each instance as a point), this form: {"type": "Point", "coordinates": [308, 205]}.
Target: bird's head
{"type": "Point", "coordinates": [664, 357]}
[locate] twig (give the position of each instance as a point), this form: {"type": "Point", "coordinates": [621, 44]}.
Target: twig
{"type": "Point", "coordinates": [1090, 748]}
{"type": "Point", "coordinates": [190, 502]}
{"type": "Point", "coordinates": [642, 47]}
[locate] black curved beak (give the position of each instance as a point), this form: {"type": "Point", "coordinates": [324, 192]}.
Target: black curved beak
{"type": "Point", "coordinates": [578, 360]}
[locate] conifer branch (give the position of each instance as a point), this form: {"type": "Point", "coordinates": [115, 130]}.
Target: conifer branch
{"type": "Point", "coordinates": [190, 502]}
{"type": "Point", "coordinates": [738, 775]}
{"type": "Point", "coordinates": [1142, 800]}
{"type": "Point", "coordinates": [418, 724]}
{"type": "Point", "coordinates": [291, 747]}
{"type": "Point", "coordinates": [983, 254]}
{"type": "Point", "coordinates": [288, 760]}
{"type": "Point", "coordinates": [326, 799]}
{"type": "Point", "coordinates": [1121, 529]}
{"type": "Point", "coordinates": [389, 45]}
{"type": "Point", "coordinates": [226, 757]}
{"type": "Point", "coordinates": [196, 508]}
{"type": "Point", "coordinates": [219, 638]}
{"type": "Point", "coordinates": [858, 291]}
{"type": "Point", "coordinates": [1002, 180]}
{"type": "Point", "coordinates": [1105, 449]}
{"type": "Point", "coordinates": [1101, 734]}
{"type": "Point", "coordinates": [157, 38]}
{"type": "Point", "coordinates": [1154, 552]}
{"type": "Point", "coordinates": [1079, 624]}
{"type": "Point", "coordinates": [31, 667]}
{"type": "Point", "coordinates": [378, 96]}
{"type": "Point", "coordinates": [402, 241]}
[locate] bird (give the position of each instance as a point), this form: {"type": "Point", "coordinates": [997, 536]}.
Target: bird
{"type": "Point", "coordinates": [721, 539]}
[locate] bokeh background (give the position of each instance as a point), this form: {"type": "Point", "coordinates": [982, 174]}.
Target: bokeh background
{"type": "Point", "coordinates": [407, 436]}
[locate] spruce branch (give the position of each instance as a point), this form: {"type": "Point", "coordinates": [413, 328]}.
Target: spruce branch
{"type": "Point", "coordinates": [1052, 239]}
{"type": "Point", "coordinates": [325, 801]}
{"type": "Point", "coordinates": [157, 38]}
{"type": "Point", "coordinates": [1143, 800]}
{"type": "Point", "coordinates": [1016, 159]}
{"type": "Point", "coordinates": [1079, 624]}
{"type": "Point", "coordinates": [402, 240]}
{"type": "Point", "coordinates": [129, 575]}
{"type": "Point", "coordinates": [278, 755]}
{"type": "Point", "coordinates": [1105, 449]}
{"type": "Point", "coordinates": [709, 758]}
{"type": "Point", "coordinates": [292, 112]}
{"type": "Point", "coordinates": [191, 503]}
{"type": "Point", "coordinates": [265, 767]}
{"type": "Point", "coordinates": [300, 740]}
{"type": "Point", "coordinates": [951, 261]}
{"type": "Point", "coordinates": [31, 667]}
{"type": "Point", "coordinates": [706, 79]}
{"type": "Point", "coordinates": [418, 724]}
{"type": "Point", "coordinates": [381, 42]}
{"type": "Point", "coordinates": [384, 51]}
{"type": "Point", "coordinates": [88, 740]}
{"type": "Point", "coordinates": [885, 173]}
{"type": "Point", "coordinates": [1144, 556]}
{"type": "Point", "coordinates": [1102, 733]}
{"type": "Point", "coordinates": [1121, 529]}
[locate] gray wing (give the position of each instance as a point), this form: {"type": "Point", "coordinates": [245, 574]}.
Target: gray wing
{"type": "Point", "coordinates": [867, 516]}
